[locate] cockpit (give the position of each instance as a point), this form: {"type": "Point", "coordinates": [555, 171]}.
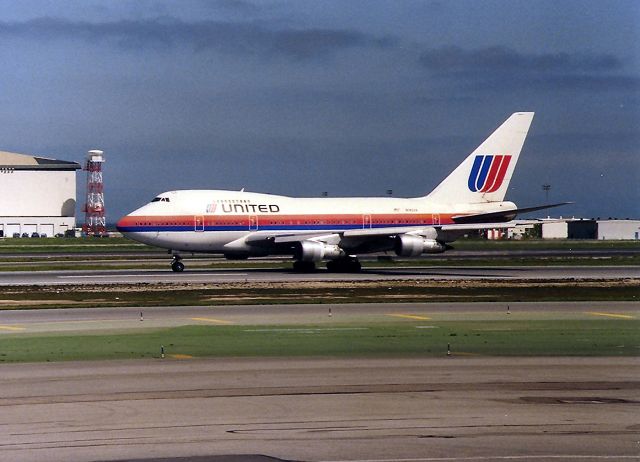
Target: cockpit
{"type": "Point", "coordinates": [160, 199]}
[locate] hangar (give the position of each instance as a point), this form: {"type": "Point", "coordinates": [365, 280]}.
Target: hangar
{"type": "Point", "coordinates": [592, 229]}
{"type": "Point", "coordinates": [37, 195]}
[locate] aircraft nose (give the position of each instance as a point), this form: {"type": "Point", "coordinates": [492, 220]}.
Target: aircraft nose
{"type": "Point", "coordinates": [124, 224]}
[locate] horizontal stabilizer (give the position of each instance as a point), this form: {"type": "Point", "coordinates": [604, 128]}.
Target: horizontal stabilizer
{"type": "Point", "coordinates": [502, 215]}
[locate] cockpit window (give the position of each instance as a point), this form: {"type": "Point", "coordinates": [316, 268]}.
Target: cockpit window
{"type": "Point", "coordinates": [160, 199]}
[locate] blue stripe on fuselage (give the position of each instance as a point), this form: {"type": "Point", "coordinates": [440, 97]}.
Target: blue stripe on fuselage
{"type": "Point", "coordinates": [153, 229]}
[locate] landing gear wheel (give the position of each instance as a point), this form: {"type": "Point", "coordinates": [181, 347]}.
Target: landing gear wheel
{"type": "Point", "coordinates": [304, 266]}
{"type": "Point", "coordinates": [344, 265]}
{"type": "Point", "coordinates": [176, 265]}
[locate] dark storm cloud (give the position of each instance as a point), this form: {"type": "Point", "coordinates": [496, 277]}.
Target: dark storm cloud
{"type": "Point", "coordinates": [576, 83]}
{"type": "Point", "coordinates": [501, 68]}
{"type": "Point", "coordinates": [500, 59]}
{"type": "Point", "coordinates": [227, 37]}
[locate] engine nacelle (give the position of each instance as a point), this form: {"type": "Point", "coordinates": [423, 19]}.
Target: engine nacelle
{"type": "Point", "coordinates": [408, 245]}
{"type": "Point", "coordinates": [317, 251]}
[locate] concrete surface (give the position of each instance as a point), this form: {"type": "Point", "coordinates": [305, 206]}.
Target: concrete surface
{"type": "Point", "coordinates": [452, 408]}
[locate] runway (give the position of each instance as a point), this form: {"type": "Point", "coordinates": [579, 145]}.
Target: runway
{"type": "Point", "coordinates": [286, 274]}
{"type": "Point", "coordinates": [319, 409]}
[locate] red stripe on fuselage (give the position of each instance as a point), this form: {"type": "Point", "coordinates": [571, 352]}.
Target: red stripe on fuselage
{"type": "Point", "coordinates": [285, 220]}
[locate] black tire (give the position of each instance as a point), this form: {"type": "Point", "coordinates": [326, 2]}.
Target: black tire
{"type": "Point", "coordinates": [355, 266]}
{"type": "Point", "coordinates": [344, 265]}
{"type": "Point", "coordinates": [177, 266]}
{"type": "Point", "coordinates": [304, 266]}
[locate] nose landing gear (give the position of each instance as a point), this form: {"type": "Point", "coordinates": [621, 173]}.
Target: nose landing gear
{"type": "Point", "coordinates": [176, 265]}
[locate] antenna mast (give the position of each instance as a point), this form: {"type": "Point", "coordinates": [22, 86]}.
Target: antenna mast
{"type": "Point", "coordinates": [95, 222]}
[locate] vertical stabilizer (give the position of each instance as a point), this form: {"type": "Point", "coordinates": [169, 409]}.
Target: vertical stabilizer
{"type": "Point", "coordinates": [484, 176]}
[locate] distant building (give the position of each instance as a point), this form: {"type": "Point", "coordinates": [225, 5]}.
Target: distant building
{"type": "Point", "coordinates": [618, 229]}
{"type": "Point", "coordinates": [520, 231]}
{"type": "Point", "coordinates": [555, 230]}
{"type": "Point", "coordinates": [582, 229]}
{"type": "Point", "coordinates": [591, 229]}
{"type": "Point", "coordinates": [37, 195]}
{"type": "Point", "coordinates": [523, 231]}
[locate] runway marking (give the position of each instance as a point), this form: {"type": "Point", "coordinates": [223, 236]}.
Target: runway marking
{"type": "Point", "coordinates": [212, 320]}
{"type": "Point", "coordinates": [181, 356]}
{"type": "Point", "coordinates": [610, 315]}
{"type": "Point", "coordinates": [12, 328]}
{"type": "Point", "coordinates": [409, 316]}
{"type": "Point", "coordinates": [310, 330]}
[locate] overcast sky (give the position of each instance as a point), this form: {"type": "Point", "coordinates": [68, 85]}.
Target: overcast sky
{"type": "Point", "coordinates": [350, 97]}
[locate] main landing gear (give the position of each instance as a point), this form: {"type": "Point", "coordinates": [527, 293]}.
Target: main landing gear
{"type": "Point", "coordinates": [176, 265]}
{"type": "Point", "coordinates": [300, 266]}
{"type": "Point", "coordinates": [339, 265]}
{"type": "Point", "coordinates": [344, 265]}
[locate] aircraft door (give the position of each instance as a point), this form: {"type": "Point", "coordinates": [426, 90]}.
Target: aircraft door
{"type": "Point", "coordinates": [253, 222]}
{"type": "Point", "coordinates": [198, 223]}
{"type": "Point", "coordinates": [435, 218]}
{"type": "Point", "coordinates": [366, 221]}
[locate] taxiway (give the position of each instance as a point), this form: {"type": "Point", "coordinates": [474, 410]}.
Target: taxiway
{"type": "Point", "coordinates": [318, 409]}
{"type": "Point", "coordinates": [122, 318]}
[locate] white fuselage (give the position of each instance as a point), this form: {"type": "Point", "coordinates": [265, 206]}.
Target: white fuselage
{"type": "Point", "coordinates": [219, 221]}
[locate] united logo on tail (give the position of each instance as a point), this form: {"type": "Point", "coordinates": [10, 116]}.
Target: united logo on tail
{"type": "Point", "coordinates": [488, 173]}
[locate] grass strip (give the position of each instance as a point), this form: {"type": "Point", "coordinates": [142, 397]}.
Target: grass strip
{"type": "Point", "coordinates": [599, 337]}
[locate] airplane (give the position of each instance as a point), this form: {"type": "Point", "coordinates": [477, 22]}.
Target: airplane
{"type": "Point", "coordinates": [240, 224]}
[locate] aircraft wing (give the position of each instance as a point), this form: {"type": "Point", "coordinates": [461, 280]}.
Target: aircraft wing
{"type": "Point", "coordinates": [259, 238]}
{"type": "Point", "coordinates": [362, 234]}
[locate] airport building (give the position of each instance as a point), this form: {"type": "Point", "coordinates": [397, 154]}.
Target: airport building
{"type": "Point", "coordinates": [618, 229]}
{"type": "Point", "coordinates": [592, 229]}
{"type": "Point", "coordinates": [37, 195]}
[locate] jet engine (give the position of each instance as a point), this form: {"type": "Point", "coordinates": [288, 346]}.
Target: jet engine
{"type": "Point", "coordinates": [316, 251]}
{"type": "Point", "coordinates": [408, 245]}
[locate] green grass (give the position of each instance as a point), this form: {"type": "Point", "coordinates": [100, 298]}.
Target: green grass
{"type": "Point", "coordinates": [76, 245]}
{"type": "Point", "coordinates": [548, 244]}
{"type": "Point", "coordinates": [495, 338]}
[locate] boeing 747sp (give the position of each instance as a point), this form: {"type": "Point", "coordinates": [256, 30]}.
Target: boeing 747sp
{"type": "Point", "coordinates": [241, 224]}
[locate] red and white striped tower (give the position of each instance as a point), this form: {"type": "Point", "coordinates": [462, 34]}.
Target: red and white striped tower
{"type": "Point", "coordinates": [95, 222]}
